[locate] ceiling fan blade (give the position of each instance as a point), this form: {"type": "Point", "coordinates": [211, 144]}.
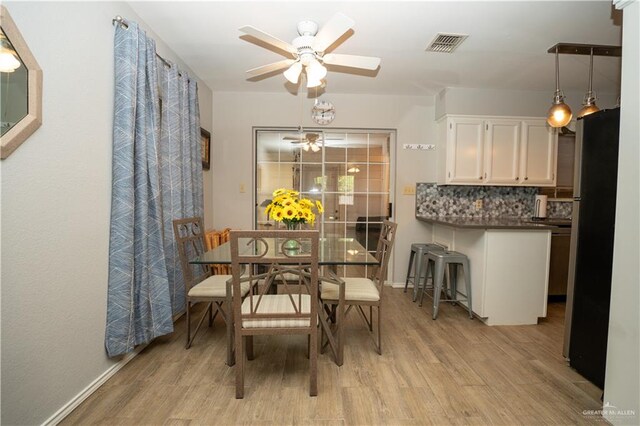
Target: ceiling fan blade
{"type": "Point", "coordinates": [268, 38]}
{"type": "Point", "coordinates": [276, 66]}
{"type": "Point", "coordinates": [352, 61]}
{"type": "Point", "coordinates": [332, 31]}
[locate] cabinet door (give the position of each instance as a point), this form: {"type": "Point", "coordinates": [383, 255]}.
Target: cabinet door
{"type": "Point", "coordinates": [465, 150]}
{"type": "Point", "coordinates": [538, 154]}
{"type": "Point", "coordinates": [502, 152]}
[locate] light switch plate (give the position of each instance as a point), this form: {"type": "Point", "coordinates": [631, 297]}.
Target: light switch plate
{"type": "Point", "coordinates": [409, 190]}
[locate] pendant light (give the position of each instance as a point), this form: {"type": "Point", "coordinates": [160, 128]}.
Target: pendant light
{"type": "Point", "coordinates": [589, 104]}
{"type": "Point", "coordinates": [559, 114]}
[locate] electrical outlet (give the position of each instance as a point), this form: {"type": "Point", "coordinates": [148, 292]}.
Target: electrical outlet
{"type": "Point", "coordinates": [479, 204]}
{"type": "Point", "coordinates": [242, 188]}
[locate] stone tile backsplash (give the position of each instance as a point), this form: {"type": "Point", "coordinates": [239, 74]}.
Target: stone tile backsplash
{"type": "Point", "coordinates": [561, 209]}
{"type": "Point", "coordinates": [498, 201]}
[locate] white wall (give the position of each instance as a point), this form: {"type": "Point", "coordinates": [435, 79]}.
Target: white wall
{"type": "Point", "coordinates": [232, 157]}
{"type": "Point", "coordinates": [524, 103]}
{"type": "Point", "coordinates": [413, 117]}
{"type": "Point", "coordinates": [205, 98]}
{"type": "Point", "coordinates": [622, 382]}
{"type": "Point", "coordinates": [56, 191]}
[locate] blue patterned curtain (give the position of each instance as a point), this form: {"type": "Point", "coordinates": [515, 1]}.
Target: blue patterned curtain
{"type": "Point", "coordinates": [181, 168]}
{"type": "Point", "coordinates": [157, 177]}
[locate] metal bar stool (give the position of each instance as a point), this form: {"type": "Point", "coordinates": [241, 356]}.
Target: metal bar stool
{"type": "Point", "coordinates": [437, 262]}
{"type": "Point", "coordinates": [416, 262]}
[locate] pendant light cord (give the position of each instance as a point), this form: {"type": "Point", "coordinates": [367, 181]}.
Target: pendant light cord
{"type": "Point", "coordinates": [591, 73]}
{"type": "Point", "coordinates": [557, 71]}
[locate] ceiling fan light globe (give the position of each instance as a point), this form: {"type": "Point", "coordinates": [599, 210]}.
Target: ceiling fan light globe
{"type": "Point", "coordinates": [315, 71]}
{"type": "Point", "coordinates": [293, 73]}
{"type": "Point", "coordinates": [313, 83]}
{"type": "Point", "coordinates": [315, 147]}
{"type": "Point", "coordinates": [305, 147]}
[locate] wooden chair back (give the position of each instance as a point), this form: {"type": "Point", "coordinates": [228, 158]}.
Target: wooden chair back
{"type": "Point", "coordinates": [386, 239]}
{"type": "Point", "coordinates": [253, 251]}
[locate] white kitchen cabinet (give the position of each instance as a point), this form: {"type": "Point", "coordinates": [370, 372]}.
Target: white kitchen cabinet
{"type": "Point", "coordinates": [501, 151]}
{"type": "Point", "coordinates": [465, 138]}
{"type": "Point", "coordinates": [539, 154]}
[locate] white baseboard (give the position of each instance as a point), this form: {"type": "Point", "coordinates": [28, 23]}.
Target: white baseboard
{"type": "Point", "coordinates": [400, 285]}
{"type": "Point", "coordinates": [93, 386]}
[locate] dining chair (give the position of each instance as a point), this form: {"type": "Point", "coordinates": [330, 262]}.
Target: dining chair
{"type": "Point", "coordinates": [199, 283]}
{"type": "Point", "coordinates": [337, 299]}
{"type": "Point", "coordinates": [293, 311]}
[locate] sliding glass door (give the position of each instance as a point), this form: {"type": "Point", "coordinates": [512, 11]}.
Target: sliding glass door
{"type": "Point", "coordinates": [348, 170]}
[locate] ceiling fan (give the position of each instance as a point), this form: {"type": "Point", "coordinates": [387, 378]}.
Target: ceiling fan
{"type": "Point", "coordinates": [308, 51]}
{"type": "Point", "coordinates": [310, 140]}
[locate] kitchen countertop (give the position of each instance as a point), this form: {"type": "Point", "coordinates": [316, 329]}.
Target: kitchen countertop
{"type": "Point", "coordinates": [495, 222]}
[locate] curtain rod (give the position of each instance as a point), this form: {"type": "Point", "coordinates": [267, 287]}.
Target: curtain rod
{"type": "Point", "coordinates": [119, 20]}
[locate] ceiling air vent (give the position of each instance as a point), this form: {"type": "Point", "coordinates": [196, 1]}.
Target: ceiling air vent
{"type": "Point", "coordinates": [446, 43]}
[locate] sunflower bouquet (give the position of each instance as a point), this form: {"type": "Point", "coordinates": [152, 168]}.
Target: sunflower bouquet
{"type": "Point", "coordinates": [287, 207]}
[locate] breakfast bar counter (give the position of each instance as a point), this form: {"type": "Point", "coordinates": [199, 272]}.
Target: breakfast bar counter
{"type": "Point", "coordinates": [509, 262]}
{"type": "Point", "coordinates": [487, 222]}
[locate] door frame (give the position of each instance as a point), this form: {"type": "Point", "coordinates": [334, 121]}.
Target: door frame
{"type": "Point", "coordinates": [393, 134]}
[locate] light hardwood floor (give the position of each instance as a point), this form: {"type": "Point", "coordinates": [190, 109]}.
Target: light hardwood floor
{"type": "Point", "coordinates": [449, 371]}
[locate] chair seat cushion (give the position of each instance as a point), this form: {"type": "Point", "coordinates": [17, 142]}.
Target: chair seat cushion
{"type": "Point", "coordinates": [216, 286]}
{"type": "Point", "coordinates": [277, 304]}
{"type": "Point", "coordinates": [288, 276]}
{"type": "Point", "coordinates": [356, 289]}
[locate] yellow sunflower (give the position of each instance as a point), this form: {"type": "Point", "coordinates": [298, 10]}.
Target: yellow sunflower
{"type": "Point", "coordinates": [277, 213]}
{"type": "Point", "coordinates": [306, 203]}
{"type": "Point", "coordinates": [289, 212]}
{"type": "Point", "coordinates": [287, 206]}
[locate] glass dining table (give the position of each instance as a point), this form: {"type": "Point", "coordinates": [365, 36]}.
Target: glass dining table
{"type": "Point", "coordinates": [332, 252]}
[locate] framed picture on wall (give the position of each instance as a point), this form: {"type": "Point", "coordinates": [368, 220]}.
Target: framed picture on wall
{"type": "Point", "coordinates": [205, 141]}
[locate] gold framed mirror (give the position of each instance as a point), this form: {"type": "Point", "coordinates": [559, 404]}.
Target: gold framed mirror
{"type": "Point", "coordinates": [20, 87]}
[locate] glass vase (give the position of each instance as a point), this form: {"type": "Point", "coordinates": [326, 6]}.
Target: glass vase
{"type": "Point", "coordinates": [292, 244]}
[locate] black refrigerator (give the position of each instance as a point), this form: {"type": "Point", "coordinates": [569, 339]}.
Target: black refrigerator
{"type": "Point", "coordinates": [592, 233]}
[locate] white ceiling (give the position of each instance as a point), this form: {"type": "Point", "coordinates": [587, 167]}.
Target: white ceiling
{"type": "Point", "coordinates": [506, 48]}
